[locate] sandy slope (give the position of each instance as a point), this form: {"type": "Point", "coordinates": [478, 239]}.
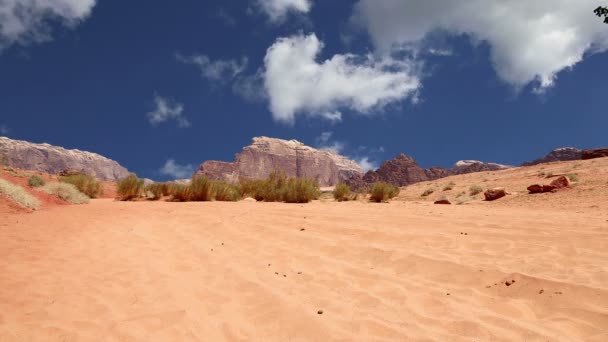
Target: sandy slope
{"type": "Point", "coordinates": [231, 271]}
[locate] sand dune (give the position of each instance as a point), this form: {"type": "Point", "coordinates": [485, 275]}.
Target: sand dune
{"type": "Point", "coordinates": [245, 271]}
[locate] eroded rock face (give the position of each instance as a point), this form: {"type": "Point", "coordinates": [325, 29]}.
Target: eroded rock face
{"type": "Point", "coordinates": [470, 166]}
{"type": "Point", "coordinates": [594, 153]}
{"type": "Point", "coordinates": [560, 154]}
{"type": "Point", "coordinates": [54, 159]}
{"type": "Point", "coordinates": [265, 155]}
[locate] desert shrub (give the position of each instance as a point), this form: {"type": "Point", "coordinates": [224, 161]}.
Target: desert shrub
{"type": "Point", "coordinates": [427, 192]}
{"type": "Point", "coordinates": [84, 183]}
{"type": "Point", "coordinates": [154, 191]}
{"type": "Point", "coordinates": [66, 191]}
{"type": "Point", "coordinates": [18, 194]}
{"type": "Point", "coordinates": [278, 187]}
{"type": "Point", "coordinates": [223, 191]}
{"type": "Point", "coordinates": [573, 177]}
{"type": "Point", "coordinates": [130, 187]}
{"type": "Point", "coordinates": [382, 192]}
{"type": "Point", "coordinates": [463, 200]}
{"type": "Point", "coordinates": [449, 186]}
{"type": "Point", "coordinates": [300, 190]}
{"type": "Point", "coordinates": [200, 189]}
{"type": "Point", "coordinates": [35, 181]}
{"type": "Point", "coordinates": [180, 192]}
{"type": "Point", "coordinates": [549, 175]}
{"type": "Point", "coordinates": [475, 189]}
{"type": "Point", "coordinates": [342, 192]}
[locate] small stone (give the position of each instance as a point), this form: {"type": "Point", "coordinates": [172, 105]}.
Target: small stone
{"type": "Point", "coordinates": [277, 273]}
{"type": "Point", "coordinates": [320, 312]}
{"type": "Point", "coordinates": [447, 294]}
{"type": "Point", "coordinates": [285, 275]}
{"type": "Point", "coordinates": [541, 291]}
{"type": "Point", "coordinates": [299, 272]}
{"type": "Point", "coordinates": [268, 265]}
{"type": "Point", "coordinates": [508, 283]}
{"type": "Point", "coordinates": [302, 229]}
{"type": "Point", "coordinates": [487, 287]}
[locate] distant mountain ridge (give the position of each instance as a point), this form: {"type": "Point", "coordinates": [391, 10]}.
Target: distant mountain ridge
{"type": "Point", "coordinates": [559, 154]}
{"type": "Point", "coordinates": [54, 159]}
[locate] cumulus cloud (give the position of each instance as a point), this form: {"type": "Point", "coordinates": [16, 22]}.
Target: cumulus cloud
{"type": "Point", "coordinates": [530, 41]}
{"type": "Point", "coordinates": [28, 21]}
{"type": "Point", "coordinates": [177, 171]}
{"type": "Point", "coordinates": [218, 70]}
{"type": "Point", "coordinates": [296, 83]}
{"type": "Point", "coordinates": [277, 10]}
{"type": "Point", "coordinates": [167, 109]}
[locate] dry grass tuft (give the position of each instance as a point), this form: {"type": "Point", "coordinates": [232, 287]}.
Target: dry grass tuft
{"type": "Point", "coordinates": [67, 192]}
{"type": "Point", "coordinates": [18, 194]}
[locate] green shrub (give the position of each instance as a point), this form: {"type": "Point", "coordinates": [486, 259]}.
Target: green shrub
{"type": "Point", "coordinates": [180, 192]}
{"type": "Point", "coordinates": [66, 191]}
{"type": "Point", "coordinates": [130, 187]}
{"type": "Point", "coordinates": [278, 187]}
{"type": "Point", "coordinates": [18, 194]}
{"type": "Point", "coordinates": [300, 190]}
{"type": "Point", "coordinates": [154, 191]}
{"type": "Point", "coordinates": [428, 192]}
{"type": "Point", "coordinates": [475, 189]}
{"type": "Point", "coordinates": [382, 192]}
{"type": "Point", "coordinates": [200, 189]}
{"type": "Point", "coordinates": [449, 186]}
{"type": "Point", "coordinates": [342, 192]}
{"type": "Point", "coordinates": [35, 181]}
{"type": "Point", "coordinates": [84, 183]}
{"type": "Point", "coordinates": [223, 191]}
{"type": "Point", "coordinates": [573, 177]}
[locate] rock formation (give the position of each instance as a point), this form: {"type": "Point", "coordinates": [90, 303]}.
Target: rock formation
{"type": "Point", "coordinates": [403, 170]}
{"type": "Point", "coordinates": [53, 160]}
{"type": "Point", "coordinates": [559, 154]}
{"type": "Point", "coordinates": [265, 155]}
{"type": "Point", "coordinates": [494, 194]}
{"type": "Point", "coordinates": [594, 153]}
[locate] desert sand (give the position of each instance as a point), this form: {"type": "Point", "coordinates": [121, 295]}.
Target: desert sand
{"type": "Point", "coordinates": [403, 271]}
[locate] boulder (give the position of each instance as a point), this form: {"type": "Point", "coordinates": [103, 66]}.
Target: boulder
{"type": "Point", "coordinates": [54, 160]}
{"type": "Point", "coordinates": [535, 188]}
{"type": "Point", "coordinates": [443, 201]}
{"type": "Point", "coordinates": [265, 155]}
{"type": "Point", "coordinates": [494, 194]}
{"type": "Point", "coordinates": [594, 153]}
{"type": "Point", "coordinates": [66, 173]}
{"type": "Point", "coordinates": [549, 188]}
{"type": "Point", "coordinates": [561, 182]}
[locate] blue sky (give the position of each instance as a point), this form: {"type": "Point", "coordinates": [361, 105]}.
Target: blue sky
{"type": "Point", "coordinates": [161, 88]}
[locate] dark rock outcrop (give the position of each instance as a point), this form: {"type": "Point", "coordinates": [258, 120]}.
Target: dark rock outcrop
{"type": "Point", "coordinates": [470, 166]}
{"type": "Point", "coordinates": [561, 182]}
{"type": "Point", "coordinates": [594, 153]}
{"type": "Point", "coordinates": [54, 160]}
{"type": "Point", "coordinates": [560, 154]}
{"type": "Point", "coordinates": [265, 155]}
{"type": "Point", "coordinates": [494, 194]}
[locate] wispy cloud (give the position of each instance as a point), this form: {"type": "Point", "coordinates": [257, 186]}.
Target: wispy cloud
{"type": "Point", "coordinates": [367, 164]}
{"type": "Point", "coordinates": [4, 130]}
{"type": "Point", "coordinates": [177, 171]}
{"type": "Point", "coordinates": [167, 109]}
{"type": "Point", "coordinates": [325, 142]}
{"type": "Point", "coordinates": [216, 70]}
{"type": "Point", "coordinates": [277, 10]}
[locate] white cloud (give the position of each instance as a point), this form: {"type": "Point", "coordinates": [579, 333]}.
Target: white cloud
{"type": "Point", "coordinates": [177, 171]}
{"type": "Point", "coordinates": [218, 70]}
{"type": "Point", "coordinates": [296, 83]}
{"type": "Point", "coordinates": [366, 164]}
{"type": "Point", "coordinates": [277, 10]}
{"type": "Point", "coordinates": [530, 41]}
{"type": "Point", "coordinates": [4, 130]}
{"type": "Point", "coordinates": [166, 110]}
{"type": "Point", "coordinates": [28, 21]}
{"type": "Point", "coordinates": [325, 143]}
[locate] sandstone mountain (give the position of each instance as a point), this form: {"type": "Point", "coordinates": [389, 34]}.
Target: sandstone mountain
{"type": "Point", "coordinates": [404, 170]}
{"type": "Point", "coordinates": [53, 160]}
{"type": "Point", "coordinates": [559, 154]}
{"type": "Point", "coordinates": [265, 155]}
{"type": "Point", "coordinates": [595, 153]}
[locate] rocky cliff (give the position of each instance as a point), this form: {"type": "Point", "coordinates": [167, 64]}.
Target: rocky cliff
{"type": "Point", "coordinates": [560, 154]}
{"type": "Point", "coordinates": [404, 170]}
{"type": "Point", "coordinates": [265, 155]}
{"type": "Point", "coordinates": [53, 160]}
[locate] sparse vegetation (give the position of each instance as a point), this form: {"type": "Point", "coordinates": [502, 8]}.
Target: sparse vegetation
{"type": "Point", "coordinates": [130, 187]}
{"type": "Point", "coordinates": [462, 200]}
{"type": "Point", "coordinates": [18, 194]}
{"type": "Point", "coordinates": [35, 181]}
{"type": "Point", "coordinates": [428, 192]}
{"type": "Point", "coordinates": [549, 175]}
{"type": "Point", "coordinates": [573, 177]}
{"type": "Point", "coordinates": [223, 191]}
{"type": "Point", "coordinates": [179, 192]}
{"type": "Point", "coordinates": [66, 191]}
{"type": "Point", "coordinates": [86, 184]}
{"type": "Point", "coordinates": [382, 192]}
{"type": "Point", "coordinates": [449, 186]}
{"type": "Point", "coordinates": [200, 190]}
{"type": "Point", "coordinates": [342, 192]}
{"type": "Point", "coordinates": [154, 191]}
{"type": "Point", "coordinates": [475, 189]}
{"type": "Point", "coordinates": [278, 187]}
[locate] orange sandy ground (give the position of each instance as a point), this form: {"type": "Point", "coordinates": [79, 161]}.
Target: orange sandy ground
{"type": "Point", "coordinates": [407, 270]}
